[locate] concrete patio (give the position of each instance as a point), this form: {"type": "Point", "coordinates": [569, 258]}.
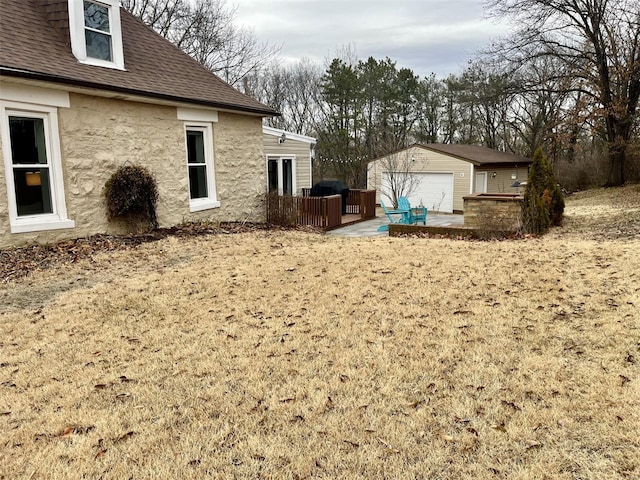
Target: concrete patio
{"type": "Point", "coordinates": [369, 228]}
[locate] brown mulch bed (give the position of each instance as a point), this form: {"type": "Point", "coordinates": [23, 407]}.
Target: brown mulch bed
{"type": "Point", "coordinates": [19, 262]}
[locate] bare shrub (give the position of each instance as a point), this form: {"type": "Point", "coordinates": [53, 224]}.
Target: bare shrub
{"type": "Point", "coordinates": [282, 210]}
{"type": "Point", "coordinates": [131, 193]}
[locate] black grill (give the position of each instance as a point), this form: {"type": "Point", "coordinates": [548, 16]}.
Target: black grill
{"type": "Point", "coordinates": [326, 188]}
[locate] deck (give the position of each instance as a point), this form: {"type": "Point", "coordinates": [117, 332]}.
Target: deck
{"type": "Point", "coordinates": [321, 212]}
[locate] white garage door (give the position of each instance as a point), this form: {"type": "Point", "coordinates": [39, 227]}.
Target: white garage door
{"type": "Point", "coordinates": [433, 190]}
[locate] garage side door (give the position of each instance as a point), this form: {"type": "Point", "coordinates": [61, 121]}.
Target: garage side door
{"type": "Point", "coordinates": [435, 191]}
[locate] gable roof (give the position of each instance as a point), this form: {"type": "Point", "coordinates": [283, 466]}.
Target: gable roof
{"type": "Point", "coordinates": [35, 44]}
{"type": "Point", "coordinates": [478, 156]}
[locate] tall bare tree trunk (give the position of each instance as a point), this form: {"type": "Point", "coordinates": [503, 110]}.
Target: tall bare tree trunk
{"type": "Point", "coordinates": [617, 157]}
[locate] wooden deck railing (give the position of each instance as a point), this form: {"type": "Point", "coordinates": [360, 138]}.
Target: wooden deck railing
{"type": "Point", "coordinates": [362, 202]}
{"type": "Point", "coordinates": [367, 203]}
{"type": "Point", "coordinates": [353, 202]}
{"type": "Point", "coordinates": [322, 212]}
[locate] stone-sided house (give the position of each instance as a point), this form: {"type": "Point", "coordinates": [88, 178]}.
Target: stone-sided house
{"type": "Point", "coordinates": [443, 174]}
{"type": "Point", "coordinates": [86, 88]}
{"type": "Point", "coordinates": [289, 158]}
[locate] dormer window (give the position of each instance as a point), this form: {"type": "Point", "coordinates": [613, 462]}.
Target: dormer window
{"type": "Point", "coordinates": [96, 35]}
{"type": "Point", "coordinates": [97, 31]}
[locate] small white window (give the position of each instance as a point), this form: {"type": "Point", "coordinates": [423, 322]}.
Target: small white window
{"type": "Point", "coordinates": [33, 170]}
{"type": "Point", "coordinates": [200, 170]}
{"type": "Point", "coordinates": [96, 34]}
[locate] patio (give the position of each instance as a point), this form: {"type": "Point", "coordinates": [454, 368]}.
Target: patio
{"type": "Point", "coordinates": [369, 228]}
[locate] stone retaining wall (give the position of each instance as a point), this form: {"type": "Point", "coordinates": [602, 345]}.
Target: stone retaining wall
{"type": "Point", "coordinates": [493, 211]}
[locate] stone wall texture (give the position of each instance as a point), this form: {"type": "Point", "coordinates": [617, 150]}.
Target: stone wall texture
{"type": "Point", "coordinates": [493, 213]}
{"type": "Point", "coordinates": [98, 135]}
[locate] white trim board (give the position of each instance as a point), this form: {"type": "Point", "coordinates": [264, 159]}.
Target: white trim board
{"type": "Point", "coordinates": [276, 132]}
{"type": "Point", "coordinates": [15, 92]}
{"type": "Point", "coordinates": [197, 115]}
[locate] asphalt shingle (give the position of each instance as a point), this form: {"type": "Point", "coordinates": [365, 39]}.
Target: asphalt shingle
{"type": "Point", "coordinates": [35, 43]}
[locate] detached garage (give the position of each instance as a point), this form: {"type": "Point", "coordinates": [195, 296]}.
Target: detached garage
{"type": "Point", "coordinates": [438, 176]}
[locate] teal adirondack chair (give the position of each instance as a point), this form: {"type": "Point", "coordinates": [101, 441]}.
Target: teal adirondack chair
{"type": "Point", "coordinates": [403, 216]}
{"type": "Point", "coordinates": [416, 214]}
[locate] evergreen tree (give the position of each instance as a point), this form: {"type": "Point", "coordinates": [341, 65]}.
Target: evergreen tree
{"type": "Point", "coordinates": [543, 203]}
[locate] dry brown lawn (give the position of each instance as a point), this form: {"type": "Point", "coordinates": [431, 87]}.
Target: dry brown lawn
{"type": "Point", "coordinates": [297, 355]}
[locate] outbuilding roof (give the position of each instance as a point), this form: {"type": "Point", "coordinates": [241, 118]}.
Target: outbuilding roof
{"type": "Point", "coordinates": [35, 44]}
{"type": "Point", "coordinates": [477, 155]}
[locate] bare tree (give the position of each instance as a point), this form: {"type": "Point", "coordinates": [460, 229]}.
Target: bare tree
{"type": "Point", "coordinates": [397, 176]}
{"type": "Point", "coordinates": [205, 29]}
{"type": "Point", "coordinates": [303, 105]}
{"type": "Point", "coordinates": [293, 90]}
{"type": "Point", "coordinates": [599, 41]}
{"type": "Point", "coordinates": [162, 16]}
{"type": "Point", "coordinates": [542, 106]}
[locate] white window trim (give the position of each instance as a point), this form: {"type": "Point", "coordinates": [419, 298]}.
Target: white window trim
{"type": "Point", "coordinates": [312, 157]}
{"type": "Point", "coordinates": [484, 186]}
{"type": "Point", "coordinates": [34, 223]}
{"type": "Point", "coordinates": [77, 29]}
{"type": "Point", "coordinates": [472, 178]}
{"type": "Point", "coordinates": [211, 201]}
{"type": "Point", "coordinates": [294, 172]}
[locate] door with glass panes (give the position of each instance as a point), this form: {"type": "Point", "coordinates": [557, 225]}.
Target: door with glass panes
{"type": "Point", "coordinates": [281, 175]}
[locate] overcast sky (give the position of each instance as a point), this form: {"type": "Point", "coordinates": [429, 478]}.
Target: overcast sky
{"type": "Point", "coordinates": [425, 35]}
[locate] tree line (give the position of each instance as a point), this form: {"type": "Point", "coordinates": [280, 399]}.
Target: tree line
{"type": "Point", "coordinates": [567, 81]}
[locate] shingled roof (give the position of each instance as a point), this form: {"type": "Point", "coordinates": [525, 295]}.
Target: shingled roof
{"type": "Point", "coordinates": [35, 44]}
{"type": "Point", "coordinates": [479, 156]}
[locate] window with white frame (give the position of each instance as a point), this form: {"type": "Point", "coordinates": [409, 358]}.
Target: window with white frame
{"type": "Point", "coordinates": [33, 171]}
{"type": "Point", "coordinates": [96, 33]}
{"type": "Point", "coordinates": [200, 169]}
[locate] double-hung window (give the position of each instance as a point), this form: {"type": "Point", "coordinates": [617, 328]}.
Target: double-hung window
{"type": "Point", "coordinates": [31, 151]}
{"type": "Point", "coordinates": [200, 170]}
{"type": "Point", "coordinates": [198, 131]}
{"type": "Point", "coordinates": [96, 33]}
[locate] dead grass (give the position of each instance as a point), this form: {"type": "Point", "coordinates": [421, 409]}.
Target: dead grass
{"type": "Point", "coordinates": [296, 355]}
{"type": "Point", "coordinates": [604, 214]}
